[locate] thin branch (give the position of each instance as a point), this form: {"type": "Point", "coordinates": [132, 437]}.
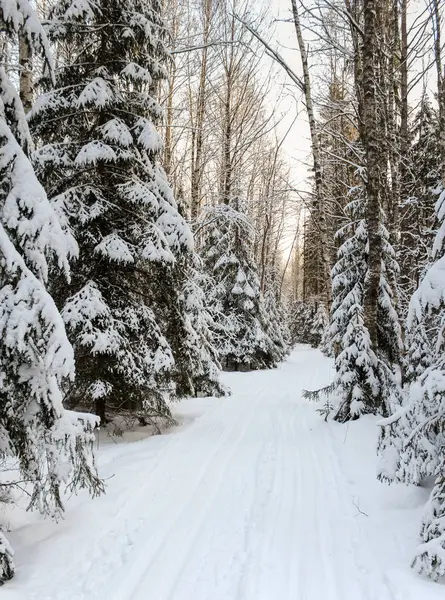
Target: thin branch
{"type": "Point", "coordinates": [274, 54]}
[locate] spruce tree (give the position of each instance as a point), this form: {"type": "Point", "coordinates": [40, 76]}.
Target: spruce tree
{"type": "Point", "coordinates": [420, 333]}
{"type": "Point", "coordinates": [319, 333]}
{"type": "Point", "coordinates": [415, 432]}
{"type": "Point", "coordinates": [99, 159]}
{"type": "Point", "coordinates": [278, 318]}
{"type": "Point", "coordinates": [422, 167]}
{"type": "Point", "coordinates": [203, 366]}
{"type": "Point", "coordinates": [366, 376]}
{"type": "Point", "coordinates": [302, 315]}
{"type": "Point", "coordinates": [53, 446]}
{"type": "Point", "coordinates": [241, 325]}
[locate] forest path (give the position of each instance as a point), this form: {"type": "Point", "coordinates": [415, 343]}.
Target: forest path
{"type": "Point", "coordinates": [249, 502]}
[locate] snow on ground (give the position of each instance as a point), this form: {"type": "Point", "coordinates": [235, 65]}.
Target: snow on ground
{"type": "Point", "coordinates": [255, 497]}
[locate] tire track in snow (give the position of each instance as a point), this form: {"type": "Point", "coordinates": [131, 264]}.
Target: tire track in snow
{"type": "Point", "coordinates": [175, 533]}
{"type": "Point", "coordinates": [214, 573]}
{"type": "Point", "coordinates": [88, 580]}
{"type": "Point", "coordinates": [265, 510]}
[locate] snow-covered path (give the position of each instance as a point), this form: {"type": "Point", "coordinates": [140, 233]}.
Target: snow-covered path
{"type": "Point", "coordinates": [252, 501]}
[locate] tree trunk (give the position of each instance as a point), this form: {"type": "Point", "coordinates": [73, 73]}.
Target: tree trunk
{"type": "Point", "coordinates": [101, 410]}
{"type": "Point", "coordinates": [393, 85]}
{"type": "Point", "coordinates": [171, 82]}
{"type": "Point", "coordinates": [440, 83]}
{"type": "Point", "coordinates": [226, 172]}
{"type": "Point", "coordinates": [371, 137]}
{"type": "Point", "coordinates": [168, 144]}
{"type": "Point", "coordinates": [26, 82]}
{"type": "Point", "coordinates": [318, 174]}
{"type": "Point", "coordinates": [197, 149]}
{"type": "Point", "coordinates": [404, 140]}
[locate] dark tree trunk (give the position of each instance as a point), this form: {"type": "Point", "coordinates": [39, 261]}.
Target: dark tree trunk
{"type": "Point", "coordinates": [371, 141]}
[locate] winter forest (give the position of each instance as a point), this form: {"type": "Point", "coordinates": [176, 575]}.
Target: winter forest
{"type": "Point", "coordinates": [222, 228]}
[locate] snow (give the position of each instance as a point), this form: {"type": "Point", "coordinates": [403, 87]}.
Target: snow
{"type": "Point", "coordinates": [137, 73]}
{"type": "Point", "coordinates": [10, 102]}
{"type": "Point", "coordinates": [254, 497]}
{"type": "Point", "coordinates": [96, 93]}
{"type": "Point", "coordinates": [93, 152]}
{"type": "Point", "coordinates": [148, 137]}
{"type": "Point", "coordinates": [431, 292]}
{"type": "Point", "coordinates": [26, 212]}
{"type": "Point", "coordinates": [115, 248]}
{"type": "Point", "coordinates": [19, 15]}
{"type": "Point", "coordinates": [116, 131]}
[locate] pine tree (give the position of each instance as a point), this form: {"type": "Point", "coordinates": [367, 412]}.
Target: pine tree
{"type": "Point", "coordinates": [203, 359]}
{"type": "Point", "coordinates": [278, 318]}
{"type": "Point", "coordinates": [53, 446]}
{"type": "Point", "coordinates": [420, 333]}
{"type": "Point", "coordinates": [366, 377]}
{"type": "Point", "coordinates": [319, 333]}
{"type": "Point", "coordinates": [100, 164]}
{"type": "Point", "coordinates": [416, 432]}
{"type": "Point", "coordinates": [234, 299]}
{"type": "Point", "coordinates": [417, 209]}
{"type": "Point", "coordinates": [302, 315]}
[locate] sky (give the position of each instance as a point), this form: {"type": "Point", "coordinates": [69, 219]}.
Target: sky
{"type": "Point", "coordinates": [291, 111]}
{"type": "Point", "coordinates": [297, 144]}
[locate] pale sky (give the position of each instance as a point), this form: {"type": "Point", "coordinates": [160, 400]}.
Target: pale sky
{"type": "Point", "coordinates": [297, 144]}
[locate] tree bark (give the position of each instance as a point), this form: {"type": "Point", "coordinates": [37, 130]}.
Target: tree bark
{"type": "Point", "coordinates": [371, 136]}
{"type": "Point", "coordinates": [26, 81]}
{"type": "Point", "coordinates": [168, 143]}
{"type": "Point", "coordinates": [226, 171]}
{"type": "Point", "coordinates": [404, 141]}
{"type": "Point", "coordinates": [172, 7]}
{"type": "Point", "coordinates": [440, 82]}
{"type": "Point", "coordinates": [393, 68]}
{"type": "Point", "coordinates": [197, 149]}
{"type": "Point", "coordinates": [318, 174]}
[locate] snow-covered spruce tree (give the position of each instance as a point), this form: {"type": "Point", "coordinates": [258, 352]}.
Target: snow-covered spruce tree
{"type": "Point", "coordinates": [319, 333]}
{"type": "Point", "coordinates": [408, 452]}
{"type": "Point", "coordinates": [278, 319]}
{"type": "Point", "coordinates": [417, 209]}
{"type": "Point", "coordinates": [52, 446]}
{"type": "Point", "coordinates": [355, 362]}
{"type": "Point", "coordinates": [99, 159]}
{"type": "Point", "coordinates": [234, 299]}
{"type": "Point", "coordinates": [301, 318]}
{"type": "Point", "coordinates": [309, 324]}
{"type": "Point", "coordinates": [202, 356]}
{"type": "Point", "coordinates": [420, 335]}
{"type": "Point", "coordinates": [365, 378]}
{"type": "Point", "coordinates": [417, 429]}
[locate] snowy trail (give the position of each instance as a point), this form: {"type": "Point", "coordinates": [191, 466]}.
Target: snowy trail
{"type": "Point", "coordinates": [249, 502]}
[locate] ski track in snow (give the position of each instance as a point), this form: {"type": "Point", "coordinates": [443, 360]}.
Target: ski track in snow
{"type": "Point", "coordinates": [249, 502]}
